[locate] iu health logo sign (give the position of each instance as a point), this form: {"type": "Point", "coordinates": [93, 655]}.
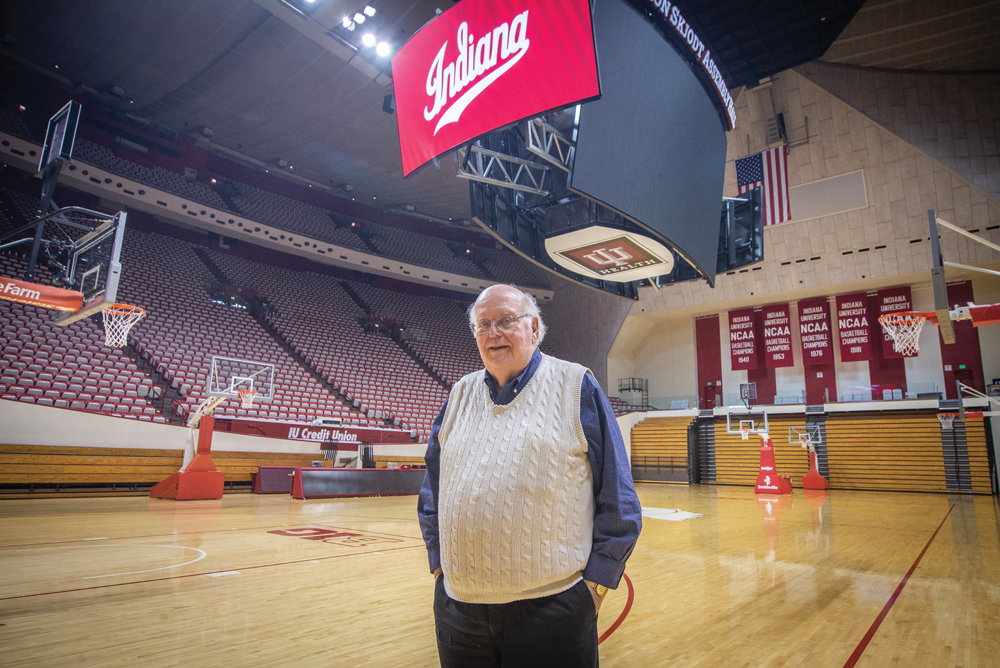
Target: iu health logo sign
{"type": "Point", "coordinates": [484, 64]}
{"type": "Point", "coordinates": [612, 257]}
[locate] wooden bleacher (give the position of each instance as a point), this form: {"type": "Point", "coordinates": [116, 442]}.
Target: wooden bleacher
{"type": "Point", "coordinates": [979, 459]}
{"type": "Point", "coordinates": [737, 462]}
{"type": "Point", "coordinates": [886, 451]}
{"type": "Point", "coordinates": [382, 461]}
{"type": "Point", "coordinates": [660, 449]}
{"type": "Point", "coordinates": [102, 470]}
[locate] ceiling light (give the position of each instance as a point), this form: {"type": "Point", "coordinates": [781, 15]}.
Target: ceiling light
{"type": "Point", "coordinates": [347, 22]}
{"type": "Point", "coordinates": [368, 39]}
{"type": "Point", "coordinates": [382, 49]}
{"type": "Point", "coordinates": [369, 10]}
{"type": "Point", "coordinates": [359, 18]}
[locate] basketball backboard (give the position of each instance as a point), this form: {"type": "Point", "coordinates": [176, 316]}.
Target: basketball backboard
{"type": "Point", "coordinates": [60, 135]}
{"type": "Point", "coordinates": [754, 419]}
{"type": "Point", "coordinates": [228, 376]}
{"type": "Point", "coordinates": [802, 434]}
{"type": "Point", "coordinates": [92, 264]}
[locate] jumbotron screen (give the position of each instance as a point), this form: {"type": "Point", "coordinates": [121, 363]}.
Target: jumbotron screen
{"type": "Point", "coordinates": [483, 64]}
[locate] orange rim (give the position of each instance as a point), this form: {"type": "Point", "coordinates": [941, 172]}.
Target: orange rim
{"type": "Point", "coordinates": [125, 309]}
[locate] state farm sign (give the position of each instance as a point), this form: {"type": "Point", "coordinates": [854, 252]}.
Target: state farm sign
{"type": "Point", "coordinates": [485, 64]}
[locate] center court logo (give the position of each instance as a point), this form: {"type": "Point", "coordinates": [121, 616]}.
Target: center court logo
{"type": "Point", "coordinates": [475, 59]}
{"type": "Point", "coordinates": [612, 257]}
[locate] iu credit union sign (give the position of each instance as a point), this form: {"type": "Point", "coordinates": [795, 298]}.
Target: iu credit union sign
{"type": "Point", "coordinates": [484, 64]}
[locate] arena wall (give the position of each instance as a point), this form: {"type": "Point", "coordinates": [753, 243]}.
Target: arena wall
{"type": "Point", "coordinates": [31, 424]}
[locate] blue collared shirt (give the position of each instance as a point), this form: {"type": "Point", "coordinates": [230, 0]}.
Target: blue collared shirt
{"type": "Point", "coordinates": [617, 515]}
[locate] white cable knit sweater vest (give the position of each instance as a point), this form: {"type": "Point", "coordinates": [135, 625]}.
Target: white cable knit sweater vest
{"type": "Point", "coordinates": [516, 495]}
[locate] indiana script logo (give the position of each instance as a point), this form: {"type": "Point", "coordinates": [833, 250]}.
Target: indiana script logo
{"type": "Point", "coordinates": [479, 64]}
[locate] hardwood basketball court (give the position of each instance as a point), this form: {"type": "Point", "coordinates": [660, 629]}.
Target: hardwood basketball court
{"type": "Point", "coordinates": [262, 580]}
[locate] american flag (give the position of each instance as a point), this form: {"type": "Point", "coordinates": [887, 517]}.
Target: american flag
{"type": "Point", "coordinates": [770, 170]}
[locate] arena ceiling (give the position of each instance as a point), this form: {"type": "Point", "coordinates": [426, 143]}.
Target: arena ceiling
{"type": "Point", "coordinates": [272, 83]}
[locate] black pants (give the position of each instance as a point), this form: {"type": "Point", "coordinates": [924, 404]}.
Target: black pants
{"type": "Point", "coordinates": [550, 632]}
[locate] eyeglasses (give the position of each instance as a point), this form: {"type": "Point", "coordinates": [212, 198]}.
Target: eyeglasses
{"type": "Point", "coordinates": [503, 324]}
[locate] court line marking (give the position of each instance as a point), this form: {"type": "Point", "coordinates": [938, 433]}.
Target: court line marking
{"type": "Point", "coordinates": [201, 533]}
{"type": "Point", "coordinates": [111, 575]}
{"type": "Point", "coordinates": [192, 575]}
{"type": "Point", "coordinates": [621, 617]}
{"type": "Point", "coordinates": [860, 649]}
{"type": "Point", "coordinates": [219, 575]}
{"type": "Point", "coordinates": [378, 533]}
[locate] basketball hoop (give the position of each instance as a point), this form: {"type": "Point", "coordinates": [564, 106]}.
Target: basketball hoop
{"type": "Point", "coordinates": [804, 441]}
{"type": "Point", "coordinates": [118, 321]}
{"type": "Point", "coordinates": [947, 420]}
{"type": "Point", "coordinates": [745, 433]}
{"type": "Point", "coordinates": [904, 330]}
{"type": "Point", "coordinates": [247, 397]}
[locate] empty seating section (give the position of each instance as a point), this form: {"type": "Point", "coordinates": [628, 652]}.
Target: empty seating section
{"type": "Point", "coordinates": [737, 462]}
{"type": "Point", "coordinates": [297, 217]}
{"type": "Point", "coordinates": [419, 249]}
{"type": "Point", "coordinates": [437, 329]}
{"type": "Point", "coordinates": [14, 124]}
{"type": "Point", "coordinates": [157, 177]}
{"type": "Point", "coordinates": [886, 451]}
{"type": "Point", "coordinates": [506, 267]}
{"type": "Point", "coordinates": [22, 209]}
{"type": "Point", "coordinates": [292, 216]}
{"type": "Point", "coordinates": [659, 446]}
{"type": "Point", "coordinates": [321, 322]}
{"type": "Point", "coordinates": [66, 367]}
{"type": "Point", "coordinates": [183, 329]}
{"type": "Point", "coordinates": [25, 207]}
{"type": "Point", "coordinates": [621, 407]}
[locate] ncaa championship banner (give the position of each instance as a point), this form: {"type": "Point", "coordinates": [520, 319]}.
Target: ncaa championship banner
{"type": "Point", "coordinates": [815, 332]}
{"type": "Point", "coordinates": [484, 64]}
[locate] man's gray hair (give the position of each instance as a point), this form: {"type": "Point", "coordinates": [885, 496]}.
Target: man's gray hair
{"type": "Point", "coordinates": [528, 303]}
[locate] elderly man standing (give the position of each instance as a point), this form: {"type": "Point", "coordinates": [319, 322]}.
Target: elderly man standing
{"type": "Point", "coordinates": [528, 508]}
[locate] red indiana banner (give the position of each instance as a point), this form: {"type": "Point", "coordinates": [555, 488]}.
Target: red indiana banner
{"type": "Point", "coordinates": [484, 64]}
{"type": "Point", "coordinates": [777, 336]}
{"type": "Point", "coordinates": [854, 328]}
{"type": "Point", "coordinates": [892, 300]}
{"type": "Point", "coordinates": [815, 332]}
{"type": "Point", "coordinates": [742, 344]}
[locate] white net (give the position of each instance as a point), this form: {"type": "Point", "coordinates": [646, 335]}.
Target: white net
{"type": "Point", "coordinates": [947, 421]}
{"type": "Point", "coordinates": [904, 330]}
{"type": "Point", "coordinates": [247, 397]}
{"type": "Point", "coordinates": [118, 321]}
